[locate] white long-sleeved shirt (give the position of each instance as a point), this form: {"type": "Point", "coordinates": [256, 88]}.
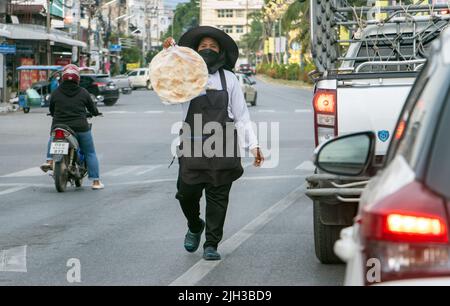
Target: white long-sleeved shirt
{"type": "Point", "coordinates": [237, 108]}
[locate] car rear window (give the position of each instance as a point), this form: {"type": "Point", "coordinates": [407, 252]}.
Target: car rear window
{"type": "Point", "coordinates": [104, 79]}
{"type": "Point", "coordinates": [422, 120]}
{"type": "Point", "coordinates": [438, 176]}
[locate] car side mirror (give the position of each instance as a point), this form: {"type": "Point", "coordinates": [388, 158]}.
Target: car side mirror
{"type": "Point", "coordinates": [350, 155]}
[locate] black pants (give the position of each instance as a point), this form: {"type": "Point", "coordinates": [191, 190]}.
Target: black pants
{"type": "Point", "coordinates": [216, 208]}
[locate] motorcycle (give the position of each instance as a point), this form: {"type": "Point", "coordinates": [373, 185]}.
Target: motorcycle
{"type": "Point", "coordinates": [69, 163]}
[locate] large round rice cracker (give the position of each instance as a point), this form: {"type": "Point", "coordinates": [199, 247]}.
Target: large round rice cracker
{"type": "Point", "coordinates": [178, 74]}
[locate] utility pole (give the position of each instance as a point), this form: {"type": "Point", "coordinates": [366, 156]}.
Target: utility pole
{"type": "Point", "coordinates": [49, 24]}
{"type": "Point", "coordinates": [200, 12]}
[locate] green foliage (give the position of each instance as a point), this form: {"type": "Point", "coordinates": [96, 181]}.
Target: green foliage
{"type": "Point", "coordinates": [187, 16]}
{"type": "Point", "coordinates": [291, 72]}
{"type": "Point", "coordinates": [253, 41]}
{"type": "Point", "coordinates": [132, 55]}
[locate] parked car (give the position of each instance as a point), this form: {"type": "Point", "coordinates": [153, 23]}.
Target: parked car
{"type": "Point", "coordinates": [246, 69]}
{"type": "Point", "coordinates": [88, 70]}
{"type": "Point", "coordinates": [140, 78]}
{"type": "Point", "coordinates": [123, 83]}
{"type": "Point", "coordinates": [250, 92]}
{"type": "Point", "coordinates": [101, 87]}
{"type": "Point", "coordinates": [401, 230]}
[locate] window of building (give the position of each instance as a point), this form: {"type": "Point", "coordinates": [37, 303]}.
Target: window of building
{"type": "Point", "coordinates": [240, 13]}
{"type": "Point", "coordinates": [227, 29]}
{"type": "Point", "coordinates": [239, 29]}
{"type": "Point", "coordinates": [225, 13]}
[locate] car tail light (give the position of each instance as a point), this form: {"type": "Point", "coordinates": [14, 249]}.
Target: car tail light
{"type": "Point", "coordinates": [59, 134]}
{"type": "Point", "coordinates": [408, 233]}
{"type": "Point", "coordinates": [100, 84]}
{"type": "Point", "coordinates": [325, 115]}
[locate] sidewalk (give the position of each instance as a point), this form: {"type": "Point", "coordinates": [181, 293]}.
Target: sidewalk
{"type": "Point", "coordinates": [6, 108]}
{"type": "Point", "coordinates": [294, 84]}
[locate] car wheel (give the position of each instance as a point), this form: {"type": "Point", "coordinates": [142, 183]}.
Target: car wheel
{"type": "Point", "coordinates": [325, 236]}
{"type": "Point", "coordinates": [110, 102]}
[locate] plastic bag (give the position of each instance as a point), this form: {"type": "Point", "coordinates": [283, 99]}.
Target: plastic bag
{"type": "Point", "coordinates": [178, 74]}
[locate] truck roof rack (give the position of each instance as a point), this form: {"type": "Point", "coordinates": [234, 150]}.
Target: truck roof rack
{"type": "Point", "coordinates": [383, 33]}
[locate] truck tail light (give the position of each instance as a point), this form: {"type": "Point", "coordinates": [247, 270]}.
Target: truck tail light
{"type": "Point", "coordinates": [325, 115]}
{"type": "Point", "coordinates": [408, 233]}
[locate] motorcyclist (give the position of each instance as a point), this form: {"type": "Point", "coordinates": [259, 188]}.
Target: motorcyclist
{"type": "Point", "coordinates": [69, 105]}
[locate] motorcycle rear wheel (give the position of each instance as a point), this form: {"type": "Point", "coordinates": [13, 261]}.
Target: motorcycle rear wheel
{"type": "Point", "coordinates": [60, 174]}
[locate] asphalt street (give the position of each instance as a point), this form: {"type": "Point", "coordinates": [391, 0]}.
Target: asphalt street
{"type": "Point", "coordinates": [132, 232]}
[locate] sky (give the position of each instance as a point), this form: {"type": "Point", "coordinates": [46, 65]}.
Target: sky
{"type": "Point", "coordinates": [174, 2]}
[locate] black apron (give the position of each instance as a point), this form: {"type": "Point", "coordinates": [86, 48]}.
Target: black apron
{"type": "Point", "coordinates": [218, 169]}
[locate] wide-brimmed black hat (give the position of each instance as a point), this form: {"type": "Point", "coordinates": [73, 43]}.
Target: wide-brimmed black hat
{"type": "Point", "coordinates": [193, 37]}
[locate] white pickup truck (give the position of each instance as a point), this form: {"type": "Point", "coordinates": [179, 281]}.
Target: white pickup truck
{"type": "Point", "coordinates": [365, 92]}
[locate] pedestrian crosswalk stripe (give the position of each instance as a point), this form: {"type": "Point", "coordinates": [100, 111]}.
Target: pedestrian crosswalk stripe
{"type": "Point", "coordinates": [306, 166]}
{"type": "Point", "coordinates": [35, 171]}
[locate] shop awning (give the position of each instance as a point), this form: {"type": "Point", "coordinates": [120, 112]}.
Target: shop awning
{"type": "Point", "coordinates": [35, 32]}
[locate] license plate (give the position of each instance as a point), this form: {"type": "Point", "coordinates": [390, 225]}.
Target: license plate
{"type": "Point", "coordinates": [59, 148]}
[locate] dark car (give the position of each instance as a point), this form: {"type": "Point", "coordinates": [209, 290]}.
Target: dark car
{"type": "Point", "coordinates": [246, 69]}
{"type": "Point", "coordinates": [403, 213]}
{"type": "Point", "coordinates": [101, 87]}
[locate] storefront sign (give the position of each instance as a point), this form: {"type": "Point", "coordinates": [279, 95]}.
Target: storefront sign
{"type": "Point", "coordinates": [8, 49]}
{"type": "Point", "coordinates": [29, 77]}
{"type": "Point", "coordinates": [62, 61]}
{"type": "Point", "coordinates": [115, 48]}
{"type": "Point", "coordinates": [132, 66]}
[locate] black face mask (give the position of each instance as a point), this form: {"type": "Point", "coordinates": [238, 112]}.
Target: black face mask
{"type": "Point", "coordinates": [213, 59]}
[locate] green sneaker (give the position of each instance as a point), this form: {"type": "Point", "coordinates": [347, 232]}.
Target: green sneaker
{"type": "Point", "coordinates": [210, 253]}
{"type": "Point", "coordinates": [192, 240]}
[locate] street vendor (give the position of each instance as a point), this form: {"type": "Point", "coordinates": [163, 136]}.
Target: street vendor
{"type": "Point", "coordinates": [222, 102]}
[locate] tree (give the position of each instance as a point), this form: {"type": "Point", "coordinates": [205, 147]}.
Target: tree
{"type": "Point", "coordinates": [186, 16]}
{"type": "Point", "coordinates": [253, 40]}
{"type": "Point", "coordinates": [297, 17]}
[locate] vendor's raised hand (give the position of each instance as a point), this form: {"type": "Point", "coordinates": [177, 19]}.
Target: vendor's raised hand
{"type": "Point", "coordinates": [168, 42]}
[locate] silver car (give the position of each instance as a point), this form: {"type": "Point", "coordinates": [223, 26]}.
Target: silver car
{"type": "Point", "coordinates": [248, 88]}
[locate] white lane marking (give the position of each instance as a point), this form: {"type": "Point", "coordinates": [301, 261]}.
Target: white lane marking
{"type": "Point", "coordinates": [156, 181]}
{"type": "Point", "coordinates": [35, 171]}
{"type": "Point", "coordinates": [147, 169]}
{"type": "Point", "coordinates": [135, 170]}
{"type": "Point", "coordinates": [246, 164]}
{"type": "Point", "coordinates": [307, 165]}
{"type": "Point", "coordinates": [303, 111]}
{"type": "Point", "coordinates": [13, 189]}
{"type": "Point", "coordinates": [154, 112]}
{"type": "Point", "coordinates": [122, 171]}
{"type": "Point", "coordinates": [14, 259]}
{"type": "Point", "coordinates": [120, 112]}
{"type": "Point", "coordinates": [197, 272]}
{"type": "Point", "coordinates": [266, 111]}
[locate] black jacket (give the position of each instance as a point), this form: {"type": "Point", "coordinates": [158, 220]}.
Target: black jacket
{"type": "Point", "coordinates": [69, 104]}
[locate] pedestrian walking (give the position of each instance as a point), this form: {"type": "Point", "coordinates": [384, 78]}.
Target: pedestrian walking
{"type": "Point", "coordinates": [223, 102]}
